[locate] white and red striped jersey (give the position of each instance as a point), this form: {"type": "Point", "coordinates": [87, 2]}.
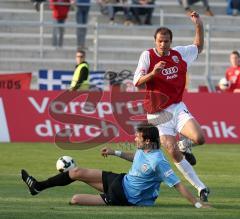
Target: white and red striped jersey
{"type": "Point", "coordinates": [168, 85]}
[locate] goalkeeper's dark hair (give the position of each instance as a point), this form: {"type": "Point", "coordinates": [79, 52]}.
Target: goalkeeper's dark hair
{"type": "Point", "coordinates": [149, 132]}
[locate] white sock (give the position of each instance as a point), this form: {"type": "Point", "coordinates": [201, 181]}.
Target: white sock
{"type": "Point", "coordinates": [188, 172]}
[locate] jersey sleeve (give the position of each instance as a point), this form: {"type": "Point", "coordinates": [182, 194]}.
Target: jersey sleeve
{"type": "Point", "coordinates": [189, 53]}
{"type": "Point", "coordinates": [142, 68]}
{"type": "Point", "coordinates": [167, 174]}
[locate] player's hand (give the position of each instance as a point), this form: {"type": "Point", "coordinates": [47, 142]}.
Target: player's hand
{"type": "Point", "coordinates": [107, 151]}
{"type": "Point", "coordinates": [196, 18]}
{"type": "Point", "coordinates": [159, 66]}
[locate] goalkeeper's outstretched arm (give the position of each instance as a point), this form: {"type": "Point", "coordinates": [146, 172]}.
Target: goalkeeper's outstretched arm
{"type": "Point", "coordinates": [189, 196]}
{"type": "Point", "coordinates": [124, 155]}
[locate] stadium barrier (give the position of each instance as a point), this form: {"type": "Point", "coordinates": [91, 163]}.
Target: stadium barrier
{"type": "Point", "coordinates": [101, 117]}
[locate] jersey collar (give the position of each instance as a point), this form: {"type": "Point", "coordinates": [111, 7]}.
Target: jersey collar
{"type": "Point", "coordinates": [155, 51]}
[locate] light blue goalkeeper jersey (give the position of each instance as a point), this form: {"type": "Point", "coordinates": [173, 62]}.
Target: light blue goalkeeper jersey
{"type": "Point", "coordinates": [142, 183]}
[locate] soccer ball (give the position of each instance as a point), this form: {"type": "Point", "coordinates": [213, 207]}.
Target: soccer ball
{"type": "Point", "coordinates": [65, 163]}
{"type": "Point", "coordinates": [223, 84]}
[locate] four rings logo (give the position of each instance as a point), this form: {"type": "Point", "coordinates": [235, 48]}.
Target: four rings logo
{"type": "Point", "coordinates": [170, 71]}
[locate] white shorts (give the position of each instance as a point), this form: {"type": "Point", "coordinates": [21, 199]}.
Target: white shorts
{"type": "Point", "coordinates": [171, 120]}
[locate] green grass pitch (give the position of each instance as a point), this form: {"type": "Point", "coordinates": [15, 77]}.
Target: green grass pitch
{"type": "Point", "coordinates": [217, 165]}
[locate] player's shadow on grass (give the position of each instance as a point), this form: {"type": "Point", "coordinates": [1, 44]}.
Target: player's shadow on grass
{"type": "Point", "coordinates": [226, 207]}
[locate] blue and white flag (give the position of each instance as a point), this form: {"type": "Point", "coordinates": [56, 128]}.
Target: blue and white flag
{"type": "Point", "coordinates": [96, 80]}
{"type": "Point", "coordinates": [54, 79]}
{"type": "Point", "coordinates": [61, 80]}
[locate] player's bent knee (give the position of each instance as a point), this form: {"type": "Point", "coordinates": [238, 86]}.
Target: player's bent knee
{"type": "Point", "coordinates": [200, 140]}
{"type": "Point", "coordinates": [75, 173]}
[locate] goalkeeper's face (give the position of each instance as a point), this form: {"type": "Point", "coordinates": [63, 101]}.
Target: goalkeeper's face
{"type": "Point", "coordinates": [140, 142]}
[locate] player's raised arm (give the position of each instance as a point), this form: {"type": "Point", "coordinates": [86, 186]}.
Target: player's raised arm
{"type": "Point", "coordinates": [199, 31]}
{"type": "Point", "coordinates": [188, 195]}
{"type": "Point", "coordinates": [124, 155]}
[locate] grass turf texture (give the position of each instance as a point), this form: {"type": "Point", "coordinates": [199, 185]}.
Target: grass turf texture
{"type": "Point", "coordinates": [218, 167]}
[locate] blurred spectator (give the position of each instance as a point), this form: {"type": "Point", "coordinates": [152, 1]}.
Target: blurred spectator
{"type": "Point", "coordinates": [187, 3]}
{"type": "Point", "coordinates": [82, 19]}
{"type": "Point", "coordinates": [37, 4]}
{"type": "Point", "coordinates": [233, 7]}
{"type": "Point", "coordinates": [233, 72]}
{"type": "Point", "coordinates": [103, 7]}
{"type": "Point", "coordinates": [143, 11]}
{"type": "Point", "coordinates": [60, 10]}
{"type": "Point", "coordinates": [80, 78]}
{"type": "Point", "coordinates": [122, 6]}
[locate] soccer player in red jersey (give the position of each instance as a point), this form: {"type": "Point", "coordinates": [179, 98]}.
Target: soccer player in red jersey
{"type": "Point", "coordinates": [233, 72]}
{"type": "Point", "coordinates": [163, 71]}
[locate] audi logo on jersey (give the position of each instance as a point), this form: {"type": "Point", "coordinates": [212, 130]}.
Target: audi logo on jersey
{"type": "Point", "coordinates": [170, 71]}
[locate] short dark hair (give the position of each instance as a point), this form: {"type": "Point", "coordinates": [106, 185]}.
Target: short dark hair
{"type": "Point", "coordinates": [149, 132]}
{"type": "Point", "coordinates": [79, 50]}
{"type": "Point", "coordinates": [235, 52]}
{"type": "Point", "coordinates": [163, 31]}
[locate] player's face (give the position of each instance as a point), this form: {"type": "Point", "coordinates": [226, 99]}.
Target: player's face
{"type": "Point", "coordinates": [139, 140]}
{"type": "Point", "coordinates": [234, 59]}
{"type": "Point", "coordinates": [163, 43]}
{"type": "Point", "coordinates": [79, 58]}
